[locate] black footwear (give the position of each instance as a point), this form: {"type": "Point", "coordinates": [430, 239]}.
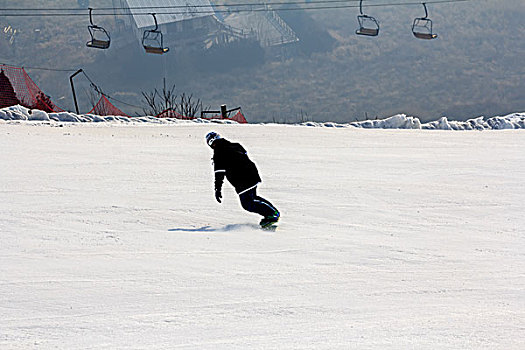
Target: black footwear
{"type": "Point", "coordinates": [270, 220]}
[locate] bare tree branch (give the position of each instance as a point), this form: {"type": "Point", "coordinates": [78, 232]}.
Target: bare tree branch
{"type": "Point", "coordinates": [158, 102]}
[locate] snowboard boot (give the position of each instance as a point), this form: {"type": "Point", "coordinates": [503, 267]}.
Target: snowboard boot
{"type": "Point", "coordinates": [270, 220]}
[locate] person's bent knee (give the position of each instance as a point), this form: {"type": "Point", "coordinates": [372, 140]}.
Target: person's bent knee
{"type": "Point", "coordinates": [248, 205]}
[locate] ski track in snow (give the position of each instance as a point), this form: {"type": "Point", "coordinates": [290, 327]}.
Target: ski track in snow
{"type": "Point", "coordinates": [110, 237]}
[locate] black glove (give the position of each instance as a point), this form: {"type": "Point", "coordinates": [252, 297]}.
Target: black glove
{"type": "Point", "coordinates": [218, 195]}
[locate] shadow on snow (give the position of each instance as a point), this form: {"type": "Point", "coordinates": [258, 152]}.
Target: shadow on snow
{"type": "Point", "coordinates": [230, 227]}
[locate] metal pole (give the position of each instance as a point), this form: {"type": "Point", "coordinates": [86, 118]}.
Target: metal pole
{"type": "Point", "coordinates": [73, 89]}
{"type": "Point", "coordinates": [224, 112]}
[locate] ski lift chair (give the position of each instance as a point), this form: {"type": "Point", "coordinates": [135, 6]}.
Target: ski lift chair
{"type": "Point", "coordinates": [152, 40]}
{"type": "Point", "coordinates": [368, 25]}
{"type": "Point", "coordinates": [99, 36]}
{"type": "Point", "coordinates": [422, 27]}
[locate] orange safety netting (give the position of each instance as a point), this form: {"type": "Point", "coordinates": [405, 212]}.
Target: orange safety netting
{"type": "Point", "coordinates": [16, 87]}
{"type": "Point", "coordinates": [104, 107]}
{"type": "Point", "coordinates": [239, 117]}
{"type": "Point", "coordinates": [170, 113]}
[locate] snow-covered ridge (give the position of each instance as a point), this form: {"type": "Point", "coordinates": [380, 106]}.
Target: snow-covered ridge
{"type": "Point", "coordinates": [20, 113]}
{"type": "Point", "coordinates": [399, 121]}
{"type": "Point", "coordinates": [402, 121]}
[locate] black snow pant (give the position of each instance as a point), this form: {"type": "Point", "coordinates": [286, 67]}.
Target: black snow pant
{"type": "Point", "coordinates": [250, 201]}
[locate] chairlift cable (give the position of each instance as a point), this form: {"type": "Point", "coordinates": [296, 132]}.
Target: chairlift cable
{"type": "Point", "coordinates": [39, 68]}
{"type": "Point", "coordinates": [99, 90]}
{"type": "Point", "coordinates": [120, 101]}
{"type": "Point", "coordinates": [251, 9]}
{"type": "Point", "coordinates": [181, 6]}
{"type": "Point", "coordinates": [231, 5]}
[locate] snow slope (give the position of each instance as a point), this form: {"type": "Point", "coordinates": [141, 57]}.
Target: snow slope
{"type": "Point", "coordinates": [110, 237]}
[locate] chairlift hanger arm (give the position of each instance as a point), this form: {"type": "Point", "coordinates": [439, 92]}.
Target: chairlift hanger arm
{"type": "Point", "coordinates": [426, 12]}
{"type": "Point", "coordinates": [155, 19]}
{"type": "Point", "coordinates": [90, 16]}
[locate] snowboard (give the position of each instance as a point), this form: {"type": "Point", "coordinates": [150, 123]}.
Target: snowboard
{"type": "Point", "coordinates": [272, 227]}
{"type": "Point", "coordinates": [269, 226]}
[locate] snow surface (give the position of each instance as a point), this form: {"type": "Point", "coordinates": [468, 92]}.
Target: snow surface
{"type": "Point", "coordinates": [110, 237]}
{"type": "Point", "coordinates": [399, 121]}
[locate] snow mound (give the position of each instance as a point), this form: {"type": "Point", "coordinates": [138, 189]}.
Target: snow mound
{"type": "Point", "coordinates": [402, 121]}
{"type": "Point", "coordinates": [20, 113]}
{"type": "Point", "coordinates": [398, 121]}
{"type": "Point", "coordinates": [511, 121]}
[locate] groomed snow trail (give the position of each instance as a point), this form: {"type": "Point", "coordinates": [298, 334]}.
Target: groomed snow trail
{"type": "Point", "coordinates": [110, 237]}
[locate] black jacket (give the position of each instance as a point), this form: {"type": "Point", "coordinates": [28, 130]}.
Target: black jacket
{"type": "Point", "coordinates": [230, 160]}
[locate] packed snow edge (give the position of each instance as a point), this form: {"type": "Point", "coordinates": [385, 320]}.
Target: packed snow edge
{"type": "Point", "coordinates": [402, 121]}
{"type": "Point", "coordinates": [399, 121]}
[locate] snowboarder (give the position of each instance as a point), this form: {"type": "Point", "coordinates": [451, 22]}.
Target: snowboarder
{"type": "Point", "coordinates": [231, 160]}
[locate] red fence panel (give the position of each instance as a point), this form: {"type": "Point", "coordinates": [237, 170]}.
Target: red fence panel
{"type": "Point", "coordinates": [16, 87]}
{"type": "Point", "coordinates": [239, 117]}
{"type": "Point", "coordinates": [104, 107]}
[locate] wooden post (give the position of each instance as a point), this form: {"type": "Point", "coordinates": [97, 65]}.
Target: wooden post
{"type": "Point", "coordinates": [224, 112]}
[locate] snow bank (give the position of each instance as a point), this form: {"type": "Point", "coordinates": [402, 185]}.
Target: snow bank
{"type": "Point", "coordinates": [511, 121]}
{"type": "Point", "coordinates": [20, 113]}
{"type": "Point", "coordinates": [402, 121]}
{"type": "Point", "coordinates": [399, 121]}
